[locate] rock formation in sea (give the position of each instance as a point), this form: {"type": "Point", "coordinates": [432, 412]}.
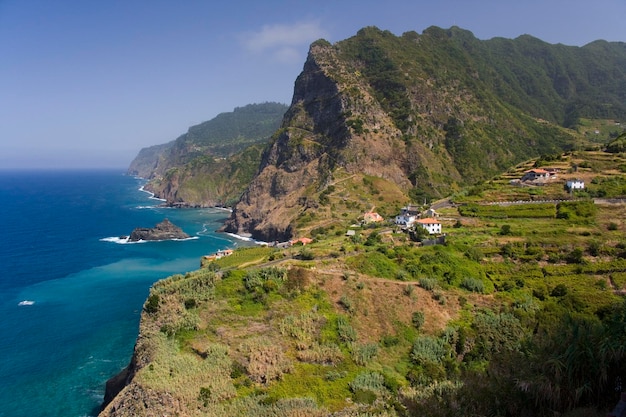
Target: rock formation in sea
{"type": "Point", "coordinates": [165, 230]}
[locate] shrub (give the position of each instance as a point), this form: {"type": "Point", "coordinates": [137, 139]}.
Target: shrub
{"type": "Point", "coordinates": [401, 276]}
{"type": "Point", "coordinates": [577, 211]}
{"type": "Point", "coordinates": [417, 318]}
{"type": "Point", "coordinates": [266, 360]}
{"type": "Point", "coordinates": [428, 284]}
{"type": "Point", "coordinates": [306, 254]}
{"type": "Point", "coordinates": [505, 230]}
{"type": "Point", "coordinates": [335, 375]}
{"type": "Point", "coordinates": [474, 254]}
{"type": "Point", "coordinates": [575, 256]}
{"type": "Point", "coordinates": [473, 284]}
{"type": "Point", "coordinates": [363, 354]}
{"type": "Point", "coordinates": [346, 302]}
{"type": "Point", "coordinates": [297, 279]}
{"type": "Point", "coordinates": [389, 340]}
{"type": "Point", "coordinates": [152, 304]}
{"type": "Point", "coordinates": [205, 396]}
{"type": "Point", "coordinates": [429, 349]}
{"type": "Point", "coordinates": [496, 333]}
{"type": "Point", "coordinates": [327, 354]}
{"type": "Point", "coordinates": [368, 381]}
{"type": "Point", "coordinates": [408, 290]}
{"type": "Point", "coordinates": [265, 279]}
{"type": "Point", "coordinates": [559, 291]}
{"type": "Point", "coordinates": [345, 331]}
{"type": "Point", "coordinates": [373, 263]}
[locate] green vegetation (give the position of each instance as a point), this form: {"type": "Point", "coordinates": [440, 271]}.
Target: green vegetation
{"type": "Point", "coordinates": [521, 311]}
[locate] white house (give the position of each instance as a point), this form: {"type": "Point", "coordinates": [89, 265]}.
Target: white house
{"type": "Point", "coordinates": [433, 226]}
{"type": "Point", "coordinates": [575, 184]}
{"type": "Point", "coordinates": [407, 217]}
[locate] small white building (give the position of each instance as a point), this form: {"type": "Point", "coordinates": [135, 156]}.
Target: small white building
{"type": "Point", "coordinates": [575, 185]}
{"type": "Point", "coordinates": [430, 213]}
{"type": "Point", "coordinates": [407, 217]}
{"type": "Point", "coordinates": [432, 226]}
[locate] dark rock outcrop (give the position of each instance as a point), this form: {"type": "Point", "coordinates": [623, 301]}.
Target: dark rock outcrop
{"type": "Point", "coordinates": [165, 230]}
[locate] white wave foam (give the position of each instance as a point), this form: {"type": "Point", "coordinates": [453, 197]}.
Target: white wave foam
{"type": "Point", "coordinates": [227, 209]}
{"type": "Point", "coordinates": [121, 240]}
{"type": "Point", "coordinates": [246, 238]}
{"type": "Point", "coordinates": [126, 240]}
{"type": "Point", "coordinates": [151, 194]}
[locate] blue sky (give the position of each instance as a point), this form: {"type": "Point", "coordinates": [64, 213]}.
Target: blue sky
{"type": "Point", "coordinates": [89, 83]}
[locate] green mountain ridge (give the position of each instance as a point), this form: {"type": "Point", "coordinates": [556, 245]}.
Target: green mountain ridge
{"type": "Point", "coordinates": [430, 113]}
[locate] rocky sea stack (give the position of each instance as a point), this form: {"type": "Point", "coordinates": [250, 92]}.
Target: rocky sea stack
{"type": "Point", "coordinates": [165, 230]}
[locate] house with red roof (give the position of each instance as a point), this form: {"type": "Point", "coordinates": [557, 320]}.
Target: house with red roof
{"type": "Point", "coordinates": [430, 224]}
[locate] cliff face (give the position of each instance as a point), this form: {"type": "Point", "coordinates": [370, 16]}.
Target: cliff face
{"type": "Point", "coordinates": [207, 181]}
{"type": "Point", "coordinates": [338, 120]}
{"type": "Point", "coordinates": [213, 162]}
{"type": "Point", "coordinates": [147, 161]}
{"type": "Point", "coordinates": [315, 139]}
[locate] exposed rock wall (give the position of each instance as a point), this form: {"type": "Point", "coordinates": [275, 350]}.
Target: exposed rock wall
{"type": "Point", "coordinates": [316, 138]}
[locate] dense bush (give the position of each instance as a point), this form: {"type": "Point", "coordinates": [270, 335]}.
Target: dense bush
{"type": "Point", "coordinates": [152, 304]}
{"type": "Point", "coordinates": [429, 349]}
{"type": "Point", "coordinates": [418, 319]}
{"type": "Point", "coordinates": [473, 284]}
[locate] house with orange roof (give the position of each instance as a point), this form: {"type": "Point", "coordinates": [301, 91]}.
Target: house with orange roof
{"type": "Point", "coordinates": [371, 217]}
{"type": "Point", "coordinates": [539, 174]}
{"type": "Point", "coordinates": [430, 224]}
{"type": "Point", "coordinates": [303, 240]}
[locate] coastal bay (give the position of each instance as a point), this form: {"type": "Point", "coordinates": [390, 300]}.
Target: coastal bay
{"type": "Point", "coordinates": [71, 293]}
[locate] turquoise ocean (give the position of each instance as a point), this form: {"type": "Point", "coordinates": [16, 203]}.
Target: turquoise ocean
{"type": "Point", "coordinates": [71, 292]}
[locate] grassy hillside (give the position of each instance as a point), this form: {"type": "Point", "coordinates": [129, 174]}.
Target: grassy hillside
{"type": "Point", "coordinates": [521, 312]}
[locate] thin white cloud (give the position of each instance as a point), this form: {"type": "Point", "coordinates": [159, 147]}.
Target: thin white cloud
{"type": "Point", "coordinates": [283, 42]}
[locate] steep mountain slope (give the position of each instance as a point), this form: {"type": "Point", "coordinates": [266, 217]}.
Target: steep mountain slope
{"type": "Point", "coordinates": [428, 112]}
{"type": "Point", "coordinates": [207, 181]}
{"type": "Point", "coordinates": [207, 166]}
{"type": "Point", "coordinates": [225, 135]}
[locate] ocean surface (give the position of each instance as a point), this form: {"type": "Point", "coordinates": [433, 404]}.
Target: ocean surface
{"type": "Point", "coordinates": [70, 292]}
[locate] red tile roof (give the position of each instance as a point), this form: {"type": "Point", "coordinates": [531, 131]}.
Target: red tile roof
{"type": "Point", "coordinates": [428, 220]}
